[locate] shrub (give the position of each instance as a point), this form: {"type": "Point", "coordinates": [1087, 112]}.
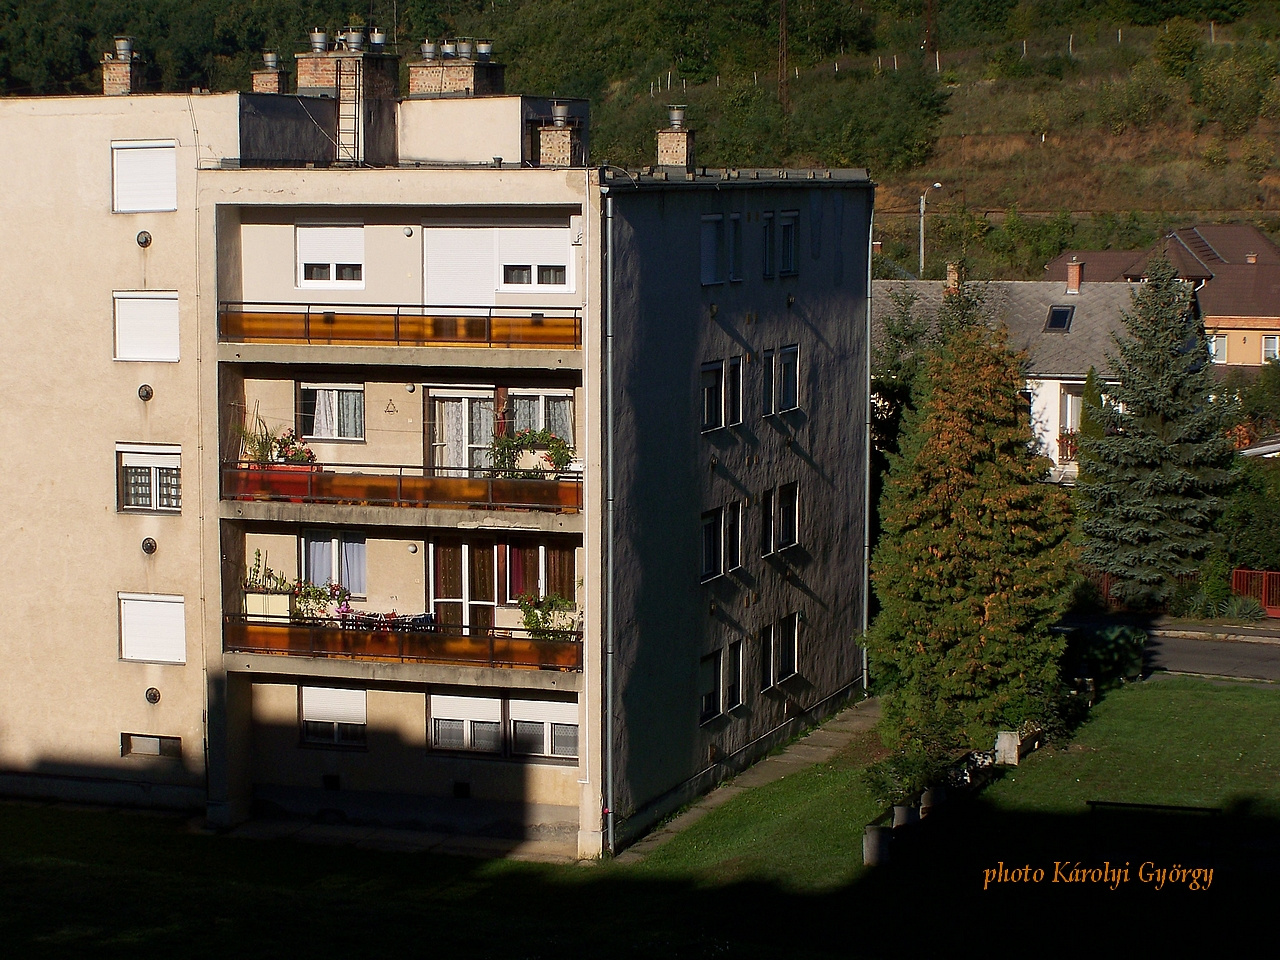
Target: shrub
{"type": "Point", "coordinates": [1243, 608]}
{"type": "Point", "coordinates": [1177, 46]}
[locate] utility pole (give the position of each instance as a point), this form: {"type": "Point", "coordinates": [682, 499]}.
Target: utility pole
{"type": "Point", "coordinates": [784, 97]}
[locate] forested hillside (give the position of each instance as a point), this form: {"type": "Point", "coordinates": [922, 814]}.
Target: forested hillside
{"type": "Point", "coordinates": [1035, 115]}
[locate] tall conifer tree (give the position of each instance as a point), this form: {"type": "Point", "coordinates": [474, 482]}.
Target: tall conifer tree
{"type": "Point", "coordinates": [973, 563]}
{"type": "Point", "coordinates": [1151, 481]}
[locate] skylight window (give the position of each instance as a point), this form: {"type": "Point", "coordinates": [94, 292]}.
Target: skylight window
{"type": "Point", "coordinates": [1059, 319]}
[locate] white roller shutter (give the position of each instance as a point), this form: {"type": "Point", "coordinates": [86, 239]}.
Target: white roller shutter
{"type": "Point", "coordinates": [333, 705]}
{"type": "Point", "coordinates": [460, 265]}
{"type": "Point", "coordinates": [534, 245]}
{"type": "Point", "coordinates": [331, 244]}
{"type": "Point", "coordinates": [465, 708]}
{"type": "Point", "coordinates": [546, 711]}
{"type": "Point", "coordinates": [152, 628]}
{"type": "Point", "coordinates": [144, 176]}
{"type": "Point", "coordinates": [146, 326]}
{"type": "Point", "coordinates": [149, 455]}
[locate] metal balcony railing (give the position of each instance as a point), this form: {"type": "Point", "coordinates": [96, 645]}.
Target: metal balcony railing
{"type": "Point", "coordinates": [400, 325]}
{"type": "Point", "coordinates": [407, 640]}
{"type": "Point", "coordinates": [399, 486]}
{"type": "Point", "coordinates": [1068, 446]}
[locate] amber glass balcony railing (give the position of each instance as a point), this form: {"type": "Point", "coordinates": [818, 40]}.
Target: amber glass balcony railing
{"type": "Point", "coordinates": [387, 642]}
{"type": "Point", "coordinates": [399, 486]}
{"type": "Point", "coordinates": [412, 326]}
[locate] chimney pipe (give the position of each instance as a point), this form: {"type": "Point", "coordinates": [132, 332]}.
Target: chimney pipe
{"type": "Point", "coordinates": [1250, 258]}
{"type": "Point", "coordinates": [1075, 275]}
{"type": "Point", "coordinates": [675, 114]}
{"type": "Point", "coordinates": [319, 40]}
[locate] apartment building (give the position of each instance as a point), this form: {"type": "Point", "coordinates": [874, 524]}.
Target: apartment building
{"type": "Point", "coordinates": [308, 393]}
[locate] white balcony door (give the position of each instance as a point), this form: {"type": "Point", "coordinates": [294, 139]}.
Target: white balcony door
{"type": "Point", "coordinates": [460, 433]}
{"type": "Point", "coordinates": [464, 583]}
{"type": "Point", "coordinates": [460, 266]}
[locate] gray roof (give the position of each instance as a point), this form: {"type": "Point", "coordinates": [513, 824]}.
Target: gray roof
{"type": "Point", "coordinates": [1023, 307]}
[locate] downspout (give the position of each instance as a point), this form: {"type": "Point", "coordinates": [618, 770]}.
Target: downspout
{"type": "Point", "coordinates": [608, 577]}
{"type": "Point", "coordinates": [866, 499]}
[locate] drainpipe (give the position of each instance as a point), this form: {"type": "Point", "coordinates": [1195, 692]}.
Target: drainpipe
{"type": "Point", "coordinates": [608, 578]}
{"type": "Point", "coordinates": [866, 497]}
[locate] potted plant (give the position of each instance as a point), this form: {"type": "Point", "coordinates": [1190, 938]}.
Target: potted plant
{"type": "Point", "coordinates": [506, 451]}
{"type": "Point", "coordinates": [267, 595]}
{"type": "Point", "coordinates": [547, 618]}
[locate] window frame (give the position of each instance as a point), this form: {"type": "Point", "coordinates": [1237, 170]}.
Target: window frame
{"type": "Point", "coordinates": [712, 271]}
{"type": "Point", "coordinates": [768, 374]}
{"type": "Point", "coordinates": [138, 656]}
{"type": "Point", "coordinates": [470, 596]}
{"type": "Point", "coordinates": [768, 669]}
{"type": "Point", "coordinates": [173, 337]}
{"type": "Point", "coordinates": [713, 395]}
{"type": "Point", "coordinates": [769, 260]}
{"type": "Point", "coordinates": [544, 397]}
{"type": "Point", "coordinates": [507, 240]}
{"type": "Point", "coordinates": [731, 552]}
{"type": "Point", "coordinates": [709, 684]}
{"type": "Point", "coordinates": [768, 525]}
{"type": "Point", "coordinates": [118, 147]}
{"type": "Point", "coordinates": [788, 643]}
{"type": "Point", "coordinates": [166, 748]}
{"type": "Point", "coordinates": [332, 282]}
{"type": "Point", "coordinates": [170, 453]}
{"type": "Point", "coordinates": [788, 358]}
{"type": "Point", "coordinates": [1065, 326]}
{"type": "Point", "coordinates": [544, 580]}
{"type": "Point", "coordinates": [712, 549]}
{"type": "Point", "coordinates": [788, 243]}
{"type": "Point", "coordinates": [788, 501]}
{"type": "Point", "coordinates": [336, 540]}
{"type": "Point", "coordinates": [733, 678]}
{"type": "Point", "coordinates": [550, 714]}
{"type": "Point", "coordinates": [1272, 341]}
{"type": "Point", "coordinates": [338, 389]}
{"type": "Point", "coordinates": [734, 243]}
{"type": "Point", "coordinates": [1213, 340]}
{"type": "Point", "coordinates": [486, 705]}
{"type": "Point", "coordinates": [733, 392]}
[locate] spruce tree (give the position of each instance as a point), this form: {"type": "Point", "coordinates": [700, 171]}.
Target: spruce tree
{"type": "Point", "coordinates": [1153, 479]}
{"type": "Point", "coordinates": [972, 567]}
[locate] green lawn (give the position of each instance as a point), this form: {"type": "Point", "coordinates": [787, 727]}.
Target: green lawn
{"type": "Point", "coordinates": [76, 882]}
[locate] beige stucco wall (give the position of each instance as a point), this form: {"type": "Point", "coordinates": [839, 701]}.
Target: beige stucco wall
{"type": "Point", "coordinates": [1243, 346]}
{"type": "Point", "coordinates": [463, 130]}
{"type": "Point", "coordinates": [68, 696]}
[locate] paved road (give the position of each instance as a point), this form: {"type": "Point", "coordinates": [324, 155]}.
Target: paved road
{"type": "Point", "coordinates": [1220, 658]}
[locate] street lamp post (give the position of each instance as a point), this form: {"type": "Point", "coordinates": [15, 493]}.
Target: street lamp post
{"type": "Point", "coordinates": [936, 186]}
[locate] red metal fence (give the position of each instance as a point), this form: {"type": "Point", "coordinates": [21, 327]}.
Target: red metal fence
{"type": "Point", "coordinates": [1262, 585]}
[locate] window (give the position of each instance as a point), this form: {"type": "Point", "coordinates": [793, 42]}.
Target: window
{"type": "Point", "coordinates": [145, 745]}
{"type": "Point", "coordinates": [331, 411]}
{"type": "Point", "coordinates": [712, 538]}
{"type": "Point", "coordinates": [788, 515]}
{"type": "Point", "coordinates": [1059, 319]}
{"type": "Point", "coordinates": [1072, 402]}
{"type": "Point", "coordinates": [466, 723]}
{"type": "Point", "coordinates": [544, 728]}
{"type": "Point", "coordinates": [733, 536]}
{"type": "Point", "coordinates": [540, 570]}
{"type": "Point", "coordinates": [152, 628]}
{"type": "Point", "coordinates": [766, 523]}
{"type": "Point", "coordinates": [733, 392]}
{"type": "Point", "coordinates": [768, 676]}
{"type": "Point", "coordinates": [1270, 349]}
{"type": "Point", "coordinates": [733, 677]}
{"type": "Point", "coordinates": [788, 378]}
{"type": "Point", "coordinates": [787, 225]}
{"type": "Point", "coordinates": [146, 325]}
{"type": "Point", "coordinates": [712, 396]}
{"type": "Point", "coordinates": [144, 176]}
{"type": "Point", "coordinates": [534, 257]}
{"type": "Point", "coordinates": [148, 478]}
{"type": "Point", "coordinates": [1218, 347]}
{"type": "Point", "coordinates": [712, 250]}
{"type": "Point", "coordinates": [333, 716]}
{"type": "Point", "coordinates": [464, 583]}
{"type": "Point", "coordinates": [766, 370]}
{"type": "Point", "coordinates": [735, 246]}
{"type": "Point", "coordinates": [786, 635]}
{"type": "Point", "coordinates": [335, 558]}
{"type": "Point", "coordinates": [461, 431]}
{"type": "Point", "coordinates": [709, 687]}
{"type": "Point", "coordinates": [331, 257]}
{"type": "Point", "coordinates": [533, 410]}
{"type": "Point", "coordinates": [770, 245]}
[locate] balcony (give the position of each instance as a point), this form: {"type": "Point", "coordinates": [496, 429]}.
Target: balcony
{"type": "Point", "coordinates": [399, 486]}
{"type": "Point", "coordinates": [1068, 446]}
{"type": "Point", "coordinates": [399, 325]}
{"type": "Point", "coordinates": [383, 641]}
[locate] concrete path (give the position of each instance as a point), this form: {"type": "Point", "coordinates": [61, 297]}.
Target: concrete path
{"type": "Point", "coordinates": [817, 746]}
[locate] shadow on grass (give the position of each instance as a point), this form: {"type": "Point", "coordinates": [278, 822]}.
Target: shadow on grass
{"type": "Point", "coordinates": [90, 883]}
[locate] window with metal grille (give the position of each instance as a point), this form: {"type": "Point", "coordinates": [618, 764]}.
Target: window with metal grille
{"type": "Point", "coordinates": [149, 478]}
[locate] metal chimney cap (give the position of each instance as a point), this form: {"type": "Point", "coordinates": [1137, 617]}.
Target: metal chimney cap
{"type": "Point", "coordinates": [675, 114]}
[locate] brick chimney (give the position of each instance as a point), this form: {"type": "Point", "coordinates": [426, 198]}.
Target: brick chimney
{"type": "Point", "coordinates": [456, 69]}
{"type": "Point", "coordinates": [675, 143]}
{"type": "Point", "coordinates": [269, 79]}
{"type": "Point", "coordinates": [121, 70]}
{"type": "Point", "coordinates": [876, 246]}
{"type": "Point", "coordinates": [365, 83]}
{"type": "Point", "coordinates": [1075, 275]}
{"type": "Point", "coordinates": [1250, 258]}
{"type": "Point", "coordinates": [560, 142]}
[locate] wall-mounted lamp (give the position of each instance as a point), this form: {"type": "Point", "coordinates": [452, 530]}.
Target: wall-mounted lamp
{"type": "Point", "coordinates": [408, 231]}
{"type": "Point", "coordinates": [148, 546]}
{"type": "Point", "coordinates": [715, 461]}
{"type": "Point", "coordinates": [153, 695]}
{"type": "Point", "coordinates": [413, 548]}
{"type": "Point", "coordinates": [144, 239]}
{"type": "Point", "coordinates": [145, 392]}
{"type": "Point", "coordinates": [410, 387]}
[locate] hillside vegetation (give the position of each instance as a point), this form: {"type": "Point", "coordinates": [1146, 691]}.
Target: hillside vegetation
{"type": "Point", "coordinates": [1049, 122]}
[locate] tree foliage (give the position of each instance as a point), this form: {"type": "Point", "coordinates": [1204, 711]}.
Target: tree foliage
{"type": "Point", "coordinates": [1154, 478]}
{"type": "Point", "coordinates": [973, 565]}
